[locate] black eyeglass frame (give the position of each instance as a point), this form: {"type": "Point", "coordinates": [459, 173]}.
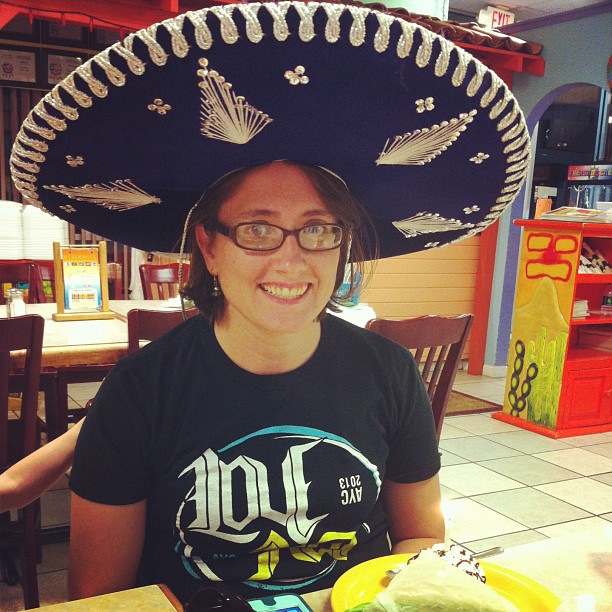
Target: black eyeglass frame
{"type": "Point", "coordinates": [231, 232]}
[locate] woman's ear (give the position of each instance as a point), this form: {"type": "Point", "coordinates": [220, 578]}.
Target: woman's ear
{"type": "Point", "coordinates": [205, 242]}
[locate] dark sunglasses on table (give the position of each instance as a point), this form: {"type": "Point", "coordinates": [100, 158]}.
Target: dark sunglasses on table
{"type": "Point", "coordinates": [216, 598]}
{"type": "Point", "coordinates": [268, 237]}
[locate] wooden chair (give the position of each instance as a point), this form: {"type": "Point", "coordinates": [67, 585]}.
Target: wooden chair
{"type": "Point", "coordinates": [437, 344]}
{"type": "Point", "coordinates": [19, 437]}
{"type": "Point", "coordinates": [22, 272]}
{"type": "Point", "coordinates": [151, 324]}
{"type": "Point", "coordinates": [161, 281]}
{"type": "Point", "coordinates": [46, 271]}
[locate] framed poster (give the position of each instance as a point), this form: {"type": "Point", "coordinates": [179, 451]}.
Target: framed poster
{"type": "Point", "coordinates": [58, 67]}
{"type": "Point", "coordinates": [55, 31]}
{"type": "Point", "coordinates": [101, 39]}
{"type": "Point", "coordinates": [18, 66]}
{"type": "Point", "coordinates": [20, 28]}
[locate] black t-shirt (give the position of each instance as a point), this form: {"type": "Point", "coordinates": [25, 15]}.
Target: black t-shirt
{"type": "Point", "coordinates": [268, 482]}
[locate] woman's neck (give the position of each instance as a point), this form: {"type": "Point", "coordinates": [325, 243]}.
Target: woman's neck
{"type": "Point", "coordinates": [268, 353]}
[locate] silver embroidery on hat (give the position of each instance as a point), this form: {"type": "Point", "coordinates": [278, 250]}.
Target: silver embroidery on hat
{"type": "Point", "coordinates": [74, 162]}
{"type": "Point", "coordinates": [53, 98]}
{"type": "Point", "coordinates": [468, 210]}
{"type": "Point", "coordinates": [461, 69]}
{"type": "Point", "coordinates": [124, 49]}
{"type": "Point", "coordinates": [159, 106]}
{"type": "Point", "coordinates": [479, 157]}
{"type": "Point", "coordinates": [56, 123]}
{"type": "Point", "coordinates": [96, 87]}
{"type": "Point", "coordinates": [404, 44]}
{"type": "Point", "coordinates": [297, 76]}
{"type": "Point", "coordinates": [226, 116]}
{"type": "Point", "coordinates": [476, 80]}
{"type": "Point", "coordinates": [253, 27]}
{"type": "Point", "coordinates": [80, 97]}
{"type": "Point", "coordinates": [421, 146]}
{"type": "Point", "coordinates": [428, 223]}
{"type": "Point", "coordinates": [113, 74]}
{"type": "Point", "coordinates": [424, 52]}
{"type": "Point", "coordinates": [443, 60]}
{"type": "Point", "coordinates": [156, 52]}
{"type": "Point", "coordinates": [431, 245]}
{"type": "Point", "coordinates": [306, 11]}
{"type": "Point", "coordinates": [358, 29]}
{"type": "Point", "coordinates": [202, 34]}
{"type": "Point", "coordinates": [423, 105]}
{"type": "Point", "coordinates": [30, 178]}
{"type": "Point", "coordinates": [117, 195]}
{"type": "Point", "coordinates": [37, 145]}
{"type": "Point", "coordinates": [34, 156]}
{"type": "Point", "coordinates": [490, 94]}
{"type": "Point", "coordinates": [180, 46]}
{"type": "Point", "coordinates": [383, 34]}
{"type": "Point", "coordinates": [278, 12]}
{"type": "Point", "coordinates": [332, 27]}
{"type": "Point", "coordinates": [229, 31]}
{"type": "Point", "coordinates": [69, 208]}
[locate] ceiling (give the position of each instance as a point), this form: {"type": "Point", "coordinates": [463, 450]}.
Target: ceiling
{"type": "Point", "coordinates": [524, 10]}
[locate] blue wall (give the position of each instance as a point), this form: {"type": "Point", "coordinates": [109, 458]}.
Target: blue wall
{"type": "Point", "coordinates": [576, 46]}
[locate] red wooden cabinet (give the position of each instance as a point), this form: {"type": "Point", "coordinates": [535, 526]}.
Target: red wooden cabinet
{"type": "Point", "coordinates": [559, 372]}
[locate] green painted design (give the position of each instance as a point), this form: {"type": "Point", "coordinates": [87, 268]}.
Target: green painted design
{"type": "Point", "coordinates": [549, 356]}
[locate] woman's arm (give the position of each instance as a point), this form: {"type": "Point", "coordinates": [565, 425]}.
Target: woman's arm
{"type": "Point", "coordinates": [29, 478]}
{"type": "Point", "coordinates": [415, 514]}
{"type": "Point", "coordinates": [105, 546]}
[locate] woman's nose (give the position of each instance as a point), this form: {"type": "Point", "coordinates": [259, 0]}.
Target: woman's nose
{"type": "Point", "coordinates": [290, 253]}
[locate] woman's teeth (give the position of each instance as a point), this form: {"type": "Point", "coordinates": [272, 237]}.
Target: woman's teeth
{"type": "Point", "coordinates": [285, 293]}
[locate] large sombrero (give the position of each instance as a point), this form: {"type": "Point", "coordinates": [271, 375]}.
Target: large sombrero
{"type": "Point", "coordinates": [429, 139]}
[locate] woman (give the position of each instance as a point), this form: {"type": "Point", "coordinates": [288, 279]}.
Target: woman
{"type": "Point", "coordinates": [265, 444]}
{"type": "Point", "coordinates": [312, 438]}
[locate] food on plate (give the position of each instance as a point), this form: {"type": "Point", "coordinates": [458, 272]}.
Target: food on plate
{"type": "Point", "coordinates": [439, 580]}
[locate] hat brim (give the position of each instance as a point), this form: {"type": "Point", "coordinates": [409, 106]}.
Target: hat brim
{"type": "Point", "coordinates": [430, 141]}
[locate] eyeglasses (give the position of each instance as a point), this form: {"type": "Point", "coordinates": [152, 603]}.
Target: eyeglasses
{"type": "Point", "coordinates": [268, 237]}
{"type": "Point", "coordinates": [218, 598]}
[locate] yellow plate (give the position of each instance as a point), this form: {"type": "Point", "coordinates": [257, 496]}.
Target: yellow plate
{"type": "Point", "coordinates": [363, 582]}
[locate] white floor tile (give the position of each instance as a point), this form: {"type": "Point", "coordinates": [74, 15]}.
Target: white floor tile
{"type": "Point", "coordinates": [578, 460]}
{"type": "Point", "coordinates": [471, 479]}
{"type": "Point", "coordinates": [579, 526]}
{"type": "Point", "coordinates": [479, 424]}
{"type": "Point", "coordinates": [530, 507]}
{"type": "Point", "coordinates": [585, 493]}
{"type": "Point", "coordinates": [601, 449]}
{"type": "Point", "coordinates": [451, 459]}
{"type": "Point", "coordinates": [448, 431]}
{"type": "Point", "coordinates": [477, 448]}
{"type": "Point", "coordinates": [598, 438]}
{"type": "Point", "coordinates": [528, 470]}
{"type": "Point", "coordinates": [527, 441]}
{"type": "Point", "coordinates": [605, 478]}
{"type": "Point", "coordinates": [472, 521]}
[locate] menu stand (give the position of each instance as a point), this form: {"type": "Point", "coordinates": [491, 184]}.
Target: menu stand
{"type": "Point", "coordinates": [81, 282]}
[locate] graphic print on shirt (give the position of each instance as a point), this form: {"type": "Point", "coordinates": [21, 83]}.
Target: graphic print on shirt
{"type": "Point", "coordinates": [282, 505]}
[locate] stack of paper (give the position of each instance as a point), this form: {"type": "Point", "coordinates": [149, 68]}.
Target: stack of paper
{"type": "Point", "coordinates": [581, 309]}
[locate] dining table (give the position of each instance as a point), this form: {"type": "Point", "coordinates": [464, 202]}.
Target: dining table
{"type": "Point", "coordinates": [575, 567]}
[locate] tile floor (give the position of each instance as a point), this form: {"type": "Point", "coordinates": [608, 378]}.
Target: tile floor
{"type": "Point", "coordinates": [502, 486]}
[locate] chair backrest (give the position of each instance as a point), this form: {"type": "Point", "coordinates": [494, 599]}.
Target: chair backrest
{"type": "Point", "coordinates": [151, 324]}
{"type": "Point", "coordinates": [437, 344]}
{"type": "Point", "coordinates": [16, 272]}
{"type": "Point", "coordinates": [161, 281]}
{"type": "Point", "coordinates": [18, 334]}
{"type": "Point", "coordinates": [46, 271]}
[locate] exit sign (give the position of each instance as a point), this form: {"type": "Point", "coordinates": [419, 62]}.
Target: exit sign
{"type": "Point", "coordinates": [493, 17]}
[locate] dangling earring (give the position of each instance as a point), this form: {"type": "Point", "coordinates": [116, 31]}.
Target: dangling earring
{"type": "Point", "coordinates": [216, 292]}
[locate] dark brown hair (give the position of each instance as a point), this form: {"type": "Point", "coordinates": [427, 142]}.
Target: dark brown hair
{"type": "Point", "coordinates": [354, 250]}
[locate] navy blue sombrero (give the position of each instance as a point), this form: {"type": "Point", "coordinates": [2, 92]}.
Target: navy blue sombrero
{"type": "Point", "coordinates": [429, 139]}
